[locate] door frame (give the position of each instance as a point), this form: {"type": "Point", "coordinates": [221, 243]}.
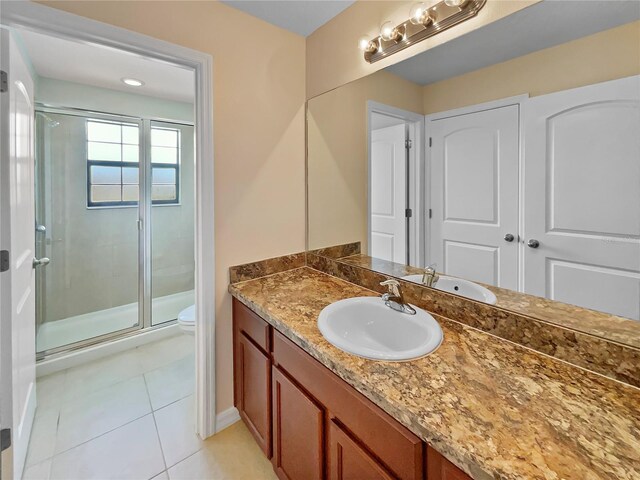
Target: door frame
{"type": "Point", "coordinates": [519, 101]}
{"type": "Point", "coordinates": [415, 170]}
{"type": "Point", "coordinates": [50, 21]}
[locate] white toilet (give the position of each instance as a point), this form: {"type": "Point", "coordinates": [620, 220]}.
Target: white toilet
{"type": "Point", "coordinates": [187, 320]}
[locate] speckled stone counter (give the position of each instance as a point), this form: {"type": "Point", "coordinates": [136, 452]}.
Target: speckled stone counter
{"type": "Point", "coordinates": [495, 409]}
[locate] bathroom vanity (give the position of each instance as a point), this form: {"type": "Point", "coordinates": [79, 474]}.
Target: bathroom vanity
{"type": "Point", "coordinates": [478, 407]}
{"type": "Point", "coordinates": [309, 421]}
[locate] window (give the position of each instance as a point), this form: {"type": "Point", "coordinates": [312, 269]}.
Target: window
{"type": "Point", "coordinates": [113, 164]}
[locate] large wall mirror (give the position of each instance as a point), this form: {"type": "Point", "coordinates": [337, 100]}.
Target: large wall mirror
{"type": "Point", "coordinates": [502, 166]}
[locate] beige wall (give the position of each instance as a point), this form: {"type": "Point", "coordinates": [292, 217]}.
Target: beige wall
{"type": "Point", "coordinates": [337, 155]}
{"type": "Point", "coordinates": [607, 55]}
{"type": "Point", "coordinates": [259, 94]}
{"type": "Point", "coordinates": [332, 50]}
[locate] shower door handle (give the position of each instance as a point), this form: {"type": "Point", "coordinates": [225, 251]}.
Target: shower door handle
{"type": "Point", "coordinates": [41, 229]}
{"type": "Point", "coordinates": [40, 262]}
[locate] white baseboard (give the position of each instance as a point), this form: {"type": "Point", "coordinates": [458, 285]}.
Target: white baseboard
{"type": "Point", "coordinates": [105, 349]}
{"type": "Point", "coordinates": [227, 418]}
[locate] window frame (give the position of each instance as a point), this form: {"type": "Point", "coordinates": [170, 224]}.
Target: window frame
{"type": "Point", "coordinates": [90, 204]}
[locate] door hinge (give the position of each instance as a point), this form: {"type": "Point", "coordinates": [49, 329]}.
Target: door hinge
{"type": "Point", "coordinates": [408, 213]}
{"type": "Point", "coordinates": [140, 225]}
{"type": "Point", "coordinates": [408, 143]}
{"type": "Point", "coordinates": [5, 439]}
{"type": "Point", "coordinates": [430, 141]}
{"type": "Point", "coordinates": [4, 260]}
{"type": "Point", "coordinates": [4, 82]}
{"type": "Point", "coordinates": [430, 213]}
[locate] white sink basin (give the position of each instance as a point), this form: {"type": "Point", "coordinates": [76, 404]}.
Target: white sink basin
{"type": "Point", "coordinates": [366, 327]}
{"type": "Point", "coordinates": [460, 287]}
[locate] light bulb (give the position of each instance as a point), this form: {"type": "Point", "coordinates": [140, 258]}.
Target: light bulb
{"type": "Point", "coordinates": [367, 45]}
{"type": "Point", "coordinates": [455, 3]}
{"type": "Point", "coordinates": [419, 14]}
{"type": "Point", "coordinates": [389, 32]}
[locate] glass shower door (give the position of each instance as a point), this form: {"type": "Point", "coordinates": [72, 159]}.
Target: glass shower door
{"type": "Point", "coordinates": [171, 185]}
{"type": "Point", "coordinates": [87, 223]}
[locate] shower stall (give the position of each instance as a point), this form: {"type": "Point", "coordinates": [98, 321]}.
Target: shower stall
{"type": "Point", "coordinates": [114, 226]}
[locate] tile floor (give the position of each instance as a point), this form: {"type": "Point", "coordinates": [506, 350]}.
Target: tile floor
{"type": "Point", "coordinates": [130, 416]}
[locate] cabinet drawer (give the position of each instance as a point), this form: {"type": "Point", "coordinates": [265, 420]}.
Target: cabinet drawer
{"type": "Point", "coordinates": [298, 443]}
{"type": "Point", "coordinates": [350, 461]}
{"type": "Point", "coordinates": [399, 450]}
{"type": "Point", "coordinates": [254, 327]}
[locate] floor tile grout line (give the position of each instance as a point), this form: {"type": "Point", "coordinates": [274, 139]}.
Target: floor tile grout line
{"type": "Point", "coordinates": [155, 424]}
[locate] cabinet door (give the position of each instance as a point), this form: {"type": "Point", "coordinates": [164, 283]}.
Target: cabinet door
{"type": "Point", "coordinates": [253, 391]}
{"type": "Point", "coordinates": [297, 432]}
{"type": "Point", "coordinates": [349, 461]}
{"type": "Point", "coordinates": [439, 468]}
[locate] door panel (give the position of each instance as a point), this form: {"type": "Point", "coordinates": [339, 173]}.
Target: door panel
{"type": "Point", "coordinates": [297, 452]}
{"type": "Point", "coordinates": [474, 195]}
{"type": "Point", "coordinates": [254, 391]}
{"type": "Point", "coordinates": [21, 245]}
{"type": "Point", "coordinates": [388, 194]}
{"type": "Point", "coordinates": [349, 461]}
{"type": "Point", "coordinates": [582, 196]}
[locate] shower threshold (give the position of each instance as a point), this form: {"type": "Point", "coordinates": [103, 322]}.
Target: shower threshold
{"type": "Point", "coordinates": [58, 333]}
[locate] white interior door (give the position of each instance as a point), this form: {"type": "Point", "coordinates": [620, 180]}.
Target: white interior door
{"type": "Point", "coordinates": [18, 190]}
{"type": "Point", "coordinates": [582, 196]}
{"type": "Point", "coordinates": [474, 195]}
{"type": "Point", "coordinates": [388, 236]}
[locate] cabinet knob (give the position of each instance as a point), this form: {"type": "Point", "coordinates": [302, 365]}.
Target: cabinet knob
{"type": "Point", "coordinates": [509, 237]}
{"type": "Point", "coordinates": [533, 243]}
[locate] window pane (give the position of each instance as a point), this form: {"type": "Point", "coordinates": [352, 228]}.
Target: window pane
{"type": "Point", "coordinates": [164, 175]}
{"type": "Point", "coordinates": [130, 135]}
{"type": "Point", "coordinates": [164, 155]}
{"type": "Point", "coordinates": [163, 192]}
{"type": "Point", "coordinates": [130, 193]}
{"type": "Point", "coordinates": [105, 193]}
{"type": "Point", "coordinates": [103, 132]}
{"type": "Point", "coordinates": [130, 175]}
{"type": "Point", "coordinates": [161, 137]}
{"type": "Point", "coordinates": [105, 174]}
{"type": "Point", "coordinates": [130, 153]}
{"type": "Point", "coordinates": [104, 151]}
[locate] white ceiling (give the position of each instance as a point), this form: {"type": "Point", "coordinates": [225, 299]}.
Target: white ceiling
{"type": "Point", "coordinates": [539, 26]}
{"type": "Point", "coordinates": [299, 16]}
{"type": "Point", "coordinates": [103, 67]}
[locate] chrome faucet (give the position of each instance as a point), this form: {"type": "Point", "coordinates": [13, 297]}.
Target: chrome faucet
{"type": "Point", "coordinates": [394, 298]}
{"type": "Point", "coordinates": [430, 277]}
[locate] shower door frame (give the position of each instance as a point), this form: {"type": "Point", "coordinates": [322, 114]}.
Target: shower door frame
{"type": "Point", "coordinates": [50, 21]}
{"type": "Point", "coordinates": [144, 227]}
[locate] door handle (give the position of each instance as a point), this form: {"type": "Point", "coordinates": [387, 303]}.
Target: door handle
{"type": "Point", "coordinates": [40, 262]}
{"type": "Point", "coordinates": [509, 237]}
{"type": "Point", "coordinates": [533, 243]}
{"type": "Point", "coordinates": [41, 229]}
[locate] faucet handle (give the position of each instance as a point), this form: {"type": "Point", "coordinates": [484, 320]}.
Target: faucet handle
{"type": "Point", "coordinates": [393, 285]}
{"type": "Point", "coordinates": [431, 268]}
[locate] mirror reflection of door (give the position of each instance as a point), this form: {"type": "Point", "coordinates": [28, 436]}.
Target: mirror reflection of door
{"type": "Point", "coordinates": [388, 191]}
{"type": "Point", "coordinates": [474, 195]}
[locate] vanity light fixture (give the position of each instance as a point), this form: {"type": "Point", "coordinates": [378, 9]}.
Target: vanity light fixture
{"type": "Point", "coordinates": [425, 20]}
{"type": "Point", "coordinates": [132, 82]}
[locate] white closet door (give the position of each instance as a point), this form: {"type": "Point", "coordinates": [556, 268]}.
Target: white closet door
{"type": "Point", "coordinates": [474, 195]}
{"type": "Point", "coordinates": [388, 194]}
{"type": "Point", "coordinates": [582, 196]}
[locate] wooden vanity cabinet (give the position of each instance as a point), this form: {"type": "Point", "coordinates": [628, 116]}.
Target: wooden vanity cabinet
{"type": "Point", "coordinates": [311, 423]}
{"type": "Point", "coordinates": [252, 374]}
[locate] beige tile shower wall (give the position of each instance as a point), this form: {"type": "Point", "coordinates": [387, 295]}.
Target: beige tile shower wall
{"type": "Point", "coordinates": [94, 252]}
{"type": "Point", "coordinates": [332, 50]}
{"type": "Point", "coordinates": [606, 55]}
{"type": "Point", "coordinates": [259, 137]}
{"type": "Point", "coordinates": [337, 155]}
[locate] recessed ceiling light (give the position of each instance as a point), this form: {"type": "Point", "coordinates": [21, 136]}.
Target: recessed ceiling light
{"type": "Point", "coordinates": [132, 82]}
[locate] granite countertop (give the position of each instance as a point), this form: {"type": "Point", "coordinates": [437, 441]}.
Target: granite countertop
{"type": "Point", "coordinates": [495, 409]}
